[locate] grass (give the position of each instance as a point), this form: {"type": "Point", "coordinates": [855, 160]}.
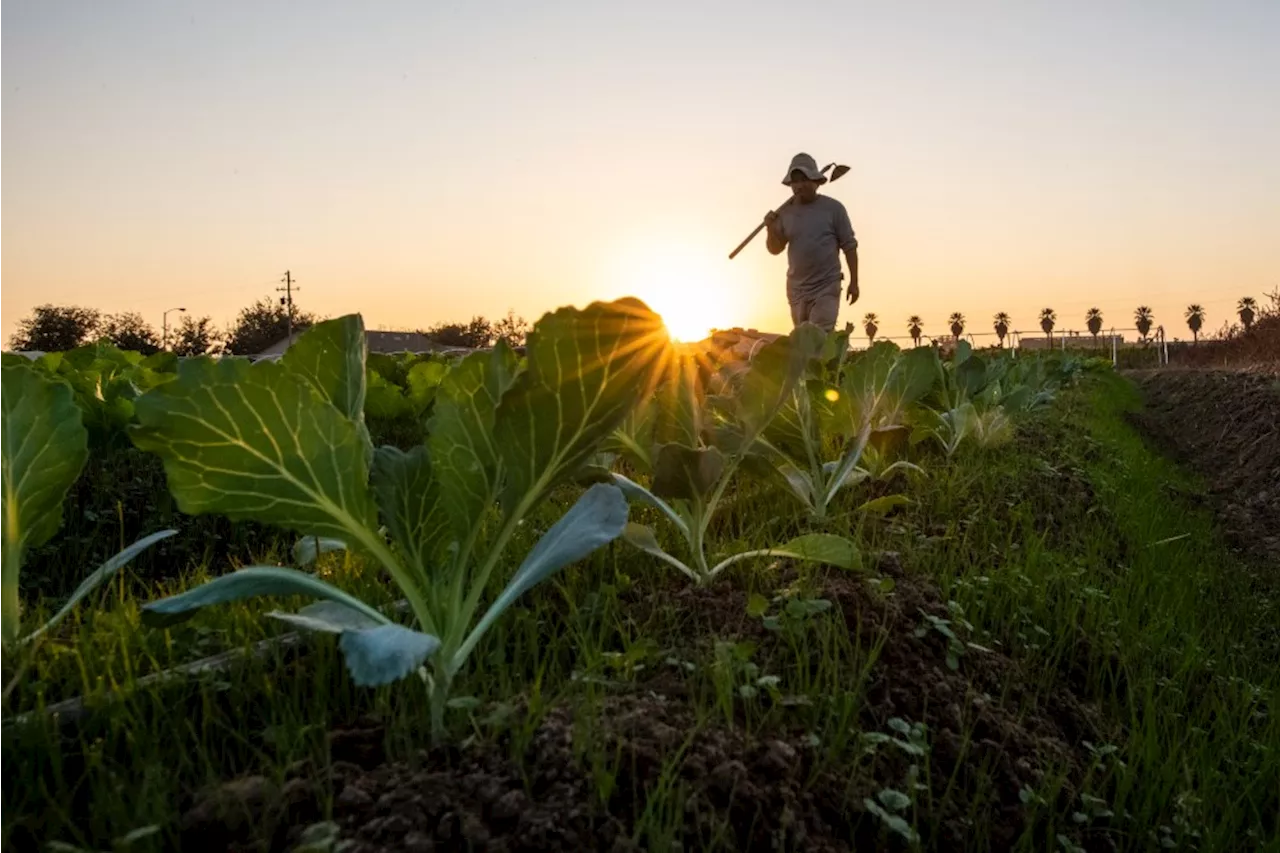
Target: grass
{"type": "Point", "coordinates": [1076, 553]}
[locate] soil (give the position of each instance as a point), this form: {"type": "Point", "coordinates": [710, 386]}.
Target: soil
{"type": "Point", "coordinates": [745, 787]}
{"type": "Point", "coordinates": [1225, 425]}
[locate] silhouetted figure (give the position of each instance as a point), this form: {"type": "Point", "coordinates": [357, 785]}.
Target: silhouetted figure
{"type": "Point", "coordinates": [814, 230]}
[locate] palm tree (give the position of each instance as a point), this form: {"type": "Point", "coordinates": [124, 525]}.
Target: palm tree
{"type": "Point", "coordinates": [1002, 326]}
{"type": "Point", "coordinates": [1143, 318]}
{"type": "Point", "coordinates": [1195, 319]}
{"type": "Point", "coordinates": [1248, 309]}
{"type": "Point", "coordinates": [914, 327]}
{"type": "Point", "coordinates": [957, 324]}
{"type": "Point", "coordinates": [1093, 320]}
{"type": "Point", "coordinates": [871, 322]}
{"type": "Point", "coordinates": [1047, 316]}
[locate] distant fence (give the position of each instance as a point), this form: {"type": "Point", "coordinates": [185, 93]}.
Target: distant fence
{"type": "Point", "coordinates": [1113, 343]}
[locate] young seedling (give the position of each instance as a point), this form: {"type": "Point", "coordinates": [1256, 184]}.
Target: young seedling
{"type": "Point", "coordinates": [285, 443]}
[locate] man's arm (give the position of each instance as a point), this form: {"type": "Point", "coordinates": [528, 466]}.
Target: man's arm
{"type": "Point", "coordinates": [774, 239]}
{"type": "Point", "coordinates": [851, 257]}
{"type": "Point", "coordinates": [849, 245]}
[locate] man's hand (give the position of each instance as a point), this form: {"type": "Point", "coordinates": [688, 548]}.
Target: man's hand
{"type": "Point", "coordinates": [852, 293]}
{"type": "Point", "coordinates": [770, 218]}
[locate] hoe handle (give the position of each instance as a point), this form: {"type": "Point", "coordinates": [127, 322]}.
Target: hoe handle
{"type": "Point", "coordinates": [753, 234]}
{"type": "Point", "coordinates": [760, 227]}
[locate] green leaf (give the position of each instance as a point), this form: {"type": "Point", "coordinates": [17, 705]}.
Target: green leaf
{"type": "Point", "coordinates": [44, 447]}
{"type": "Point", "coordinates": [642, 537]}
{"type": "Point", "coordinates": [587, 369]}
{"type": "Point", "coordinates": [138, 834]}
{"type": "Point", "coordinates": [377, 656]}
{"type": "Point", "coordinates": [971, 375]}
{"type": "Point", "coordinates": [886, 504]}
{"type": "Point", "coordinates": [676, 403]}
{"type": "Point", "coordinates": [802, 608]}
{"type": "Point", "coordinates": [461, 440]}
{"type": "Point", "coordinates": [598, 517]}
{"type": "Point", "coordinates": [424, 379]}
{"type": "Point", "coordinates": [245, 583]}
{"type": "Point", "coordinates": [893, 800]}
{"type": "Point", "coordinates": [822, 548]}
{"type": "Point", "coordinates": [800, 482]}
{"type": "Point", "coordinates": [878, 385]}
{"type": "Point", "coordinates": [774, 371]}
{"type": "Point", "coordinates": [634, 491]}
{"type": "Point", "coordinates": [102, 573]}
{"type": "Point", "coordinates": [383, 399]}
{"type": "Point", "coordinates": [406, 493]}
{"type": "Point", "coordinates": [306, 549]}
{"type": "Point", "coordinates": [330, 356]}
{"type": "Point", "coordinates": [757, 605]}
{"type": "Point", "coordinates": [686, 472]}
{"type": "Point", "coordinates": [330, 617]}
{"type": "Point", "coordinates": [257, 442]}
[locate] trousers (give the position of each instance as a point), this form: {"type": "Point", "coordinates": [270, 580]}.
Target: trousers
{"type": "Point", "coordinates": [820, 308]}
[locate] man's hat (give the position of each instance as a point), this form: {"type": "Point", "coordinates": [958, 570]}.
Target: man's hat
{"type": "Point", "coordinates": [807, 166]}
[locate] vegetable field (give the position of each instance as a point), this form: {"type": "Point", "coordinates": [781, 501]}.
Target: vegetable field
{"type": "Point", "coordinates": [611, 593]}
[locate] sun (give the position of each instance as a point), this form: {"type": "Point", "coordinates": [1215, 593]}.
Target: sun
{"type": "Point", "coordinates": [685, 285]}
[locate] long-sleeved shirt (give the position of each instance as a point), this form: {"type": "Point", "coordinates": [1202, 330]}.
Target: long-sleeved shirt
{"type": "Point", "coordinates": [814, 235]}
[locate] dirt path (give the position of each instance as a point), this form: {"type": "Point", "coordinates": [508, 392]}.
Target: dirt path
{"type": "Point", "coordinates": [1225, 425]}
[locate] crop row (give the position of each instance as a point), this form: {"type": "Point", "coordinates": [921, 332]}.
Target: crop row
{"type": "Point", "coordinates": [600, 402]}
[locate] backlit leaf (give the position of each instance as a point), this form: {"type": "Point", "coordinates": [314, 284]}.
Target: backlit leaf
{"type": "Point", "coordinates": [822, 548]}
{"type": "Point", "coordinates": [587, 368]}
{"type": "Point", "coordinates": [257, 442]}
{"type": "Point", "coordinates": [883, 505]}
{"type": "Point", "coordinates": [44, 450]}
{"type": "Point", "coordinates": [407, 496]}
{"type": "Point", "coordinates": [330, 355]}
{"type": "Point", "coordinates": [460, 439]}
{"type": "Point", "coordinates": [774, 371]}
{"type": "Point", "coordinates": [44, 447]}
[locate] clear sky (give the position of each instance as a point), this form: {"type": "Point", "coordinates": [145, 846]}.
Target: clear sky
{"type": "Point", "coordinates": [425, 161]}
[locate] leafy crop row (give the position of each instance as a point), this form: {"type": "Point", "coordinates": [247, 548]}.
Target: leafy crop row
{"type": "Point", "coordinates": [601, 397]}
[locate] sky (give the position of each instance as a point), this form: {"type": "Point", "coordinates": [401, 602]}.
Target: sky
{"type": "Point", "coordinates": [421, 162]}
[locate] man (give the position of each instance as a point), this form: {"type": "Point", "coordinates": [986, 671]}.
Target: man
{"type": "Point", "coordinates": [814, 230]}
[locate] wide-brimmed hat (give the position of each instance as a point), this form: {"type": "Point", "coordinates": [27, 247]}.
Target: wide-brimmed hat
{"type": "Point", "coordinates": [807, 166]}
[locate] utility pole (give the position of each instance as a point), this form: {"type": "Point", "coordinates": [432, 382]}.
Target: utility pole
{"type": "Point", "coordinates": [287, 301]}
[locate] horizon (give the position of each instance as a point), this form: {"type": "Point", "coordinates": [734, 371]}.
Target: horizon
{"type": "Point", "coordinates": [421, 167]}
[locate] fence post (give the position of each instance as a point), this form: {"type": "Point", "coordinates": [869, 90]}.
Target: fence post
{"type": "Point", "coordinates": [1114, 360]}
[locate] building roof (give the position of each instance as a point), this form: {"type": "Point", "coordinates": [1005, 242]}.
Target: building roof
{"type": "Point", "coordinates": [381, 342]}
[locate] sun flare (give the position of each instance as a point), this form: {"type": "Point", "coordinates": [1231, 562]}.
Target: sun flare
{"type": "Point", "coordinates": [686, 286]}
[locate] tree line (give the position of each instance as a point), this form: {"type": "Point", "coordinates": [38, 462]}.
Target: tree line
{"type": "Point", "coordinates": [1143, 318]}
{"type": "Point", "coordinates": [57, 328]}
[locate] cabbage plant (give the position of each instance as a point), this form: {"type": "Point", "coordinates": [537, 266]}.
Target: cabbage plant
{"type": "Point", "coordinates": [973, 399]}
{"type": "Point", "coordinates": [44, 446]}
{"type": "Point", "coordinates": [285, 443]}
{"type": "Point", "coordinates": [870, 394]}
{"type": "Point", "coordinates": [691, 445]}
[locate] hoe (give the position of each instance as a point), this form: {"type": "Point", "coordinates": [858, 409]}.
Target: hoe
{"type": "Point", "coordinates": [837, 173]}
